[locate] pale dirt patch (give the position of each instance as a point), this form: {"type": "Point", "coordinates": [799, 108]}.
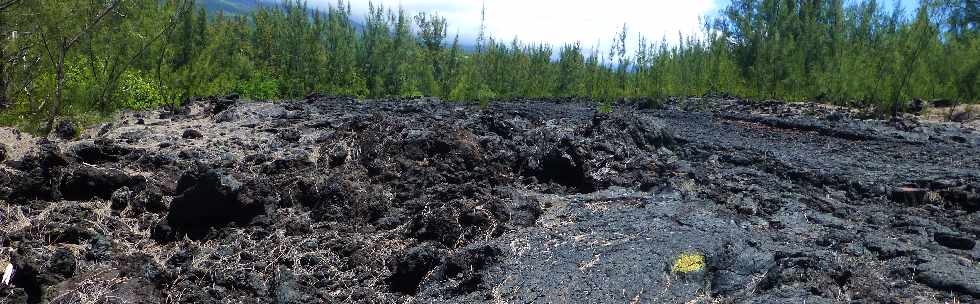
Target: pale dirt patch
{"type": "Point", "coordinates": [18, 143]}
{"type": "Point", "coordinates": [936, 114]}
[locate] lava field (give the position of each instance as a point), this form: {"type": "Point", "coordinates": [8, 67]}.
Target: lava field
{"type": "Point", "coordinates": [336, 200]}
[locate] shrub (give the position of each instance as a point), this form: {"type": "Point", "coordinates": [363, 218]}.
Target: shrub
{"type": "Point", "coordinates": [260, 86]}
{"type": "Point", "coordinates": [605, 107]}
{"type": "Point", "coordinates": [688, 262]}
{"type": "Point", "coordinates": [485, 95]}
{"type": "Point", "coordinates": [138, 93]}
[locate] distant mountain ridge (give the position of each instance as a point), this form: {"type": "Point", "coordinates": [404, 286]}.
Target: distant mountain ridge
{"type": "Point", "coordinates": [243, 7]}
{"type": "Point", "coordinates": [237, 7]}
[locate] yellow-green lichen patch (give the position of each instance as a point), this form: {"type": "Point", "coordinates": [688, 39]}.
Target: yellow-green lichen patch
{"type": "Point", "coordinates": [688, 262]}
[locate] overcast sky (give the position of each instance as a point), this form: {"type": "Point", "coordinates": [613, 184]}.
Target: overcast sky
{"type": "Point", "coordinates": [561, 21]}
{"type": "Point", "coordinates": [557, 21]}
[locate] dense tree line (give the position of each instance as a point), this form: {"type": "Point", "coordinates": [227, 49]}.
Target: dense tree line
{"type": "Point", "coordinates": [86, 58]}
{"type": "Point", "coordinates": [857, 52]}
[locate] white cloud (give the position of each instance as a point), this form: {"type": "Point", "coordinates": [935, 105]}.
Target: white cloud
{"type": "Point", "coordinates": [559, 21]}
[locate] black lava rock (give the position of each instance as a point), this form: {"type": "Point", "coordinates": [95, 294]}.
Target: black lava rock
{"type": "Point", "coordinates": [208, 200]}
{"type": "Point", "coordinates": [835, 116]}
{"type": "Point", "coordinates": [67, 233]}
{"type": "Point", "coordinates": [338, 155]}
{"type": "Point", "coordinates": [100, 248]}
{"type": "Point", "coordinates": [27, 276]}
{"type": "Point", "coordinates": [942, 103]}
{"type": "Point", "coordinates": [192, 134]}
{"type": "Point", "coordinates": [963, 116]}
{"type": "Point", "coordinates": [120, 198]}
{"type": "Point", "coordinates": [87, 182]}
{"type": "Point", "coordinates": [151, 199]}
{"type": "Point", "coordinates": [412, 268]}
{"type": "Point", "coordinates": [909, 195]}
{"type": "Point", "coordinates": [950, 274]}
{"type": "Point", "coordinates": [290, 135]}
{"type": "Point", "coordinates": [223, 103]}
{"type": "Point", "coordinates": [954, 241]}
{"type": "Point", "coordinates": [226, 116]}
{"type": "Point", "coordinates": [47, 157]}
{"type": "Point", "coordinates": [285, 288]}
{"type": "Point", "coordinates": [66, 130]}
{"type": "Point", "coordinates": [736, 266]}
{"type": "Point", "coordinates": [525, 211]}
{"type": "Point", "coordinates": [98, 152]}
{"type": "Point", "coordinates": [142, 197]}
{"type": "Point", "coordinates": [105, 129]}
{"type": "Point", "coordinates": [440, 225]}
{"type": "Point", "coordinates": [143, 266]}
{"type": "Point", "coordinates": [162, 232]}
{"type": "Point", "coordinates": [887, 248]}
{"type": "Point", "coordinates": [63, 263]}
{"type": "Point", "coordinates": [461, 202]}
{"type": "Point", "coordinates": [466, 267]}
{"type": "Point", "coordinates": [916, 106]}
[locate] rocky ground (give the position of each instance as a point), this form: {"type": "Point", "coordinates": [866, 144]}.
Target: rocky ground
{"type": "Point", "coordinates": [334, 200]}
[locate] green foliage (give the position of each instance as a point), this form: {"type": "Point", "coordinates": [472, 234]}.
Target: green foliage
{"type": "Point", "coordinates": [70, 59]}
{"type": "Point", "coordinates": [486, 94]}
{"type": "Point", "coordinates": [605, 107]}
{"type": "Point", "coordinates": [138, 93]}
{"type": "Point", "coordinates": [852, 54]}
{"type": "Point", "coordinates": [259, 86]}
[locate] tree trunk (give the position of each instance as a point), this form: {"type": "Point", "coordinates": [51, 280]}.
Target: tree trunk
{"type": "Point", "coordinates": [3, 80]}
{"type": "Point", "coordinates": [60, 79]}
